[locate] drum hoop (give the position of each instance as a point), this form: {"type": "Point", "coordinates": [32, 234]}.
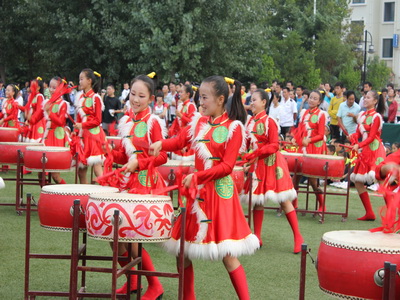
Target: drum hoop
{"type": "Point", "coordinates": [178, 163]}
{"type": "Point", "coordinates": [63, 193]}
{"type": "Point", "coordinates": [130, 240]}
{"type": "Point", "coordinates": [382, 250]}
{"type": "Point", "coordinates": [61, 229]}
{"type": "Point", "coordinates": [97, 197]}
{"type": "Point", "coordinates": [9, 128]}
{"type": "Point", "coordinates": [50, 170]}
{"type": "Point", "coordinates": [341, 296]}
{"type": "Point", "coordinates": [292, 154]}
{"type": "Point", "coordinates": [21, 144]}
{"type": "Point", "coordinates": [324, 157]}
{"type": "Point", "coordinates": [47, 149]}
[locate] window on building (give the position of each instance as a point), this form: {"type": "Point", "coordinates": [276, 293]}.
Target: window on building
{"type": "Point", "coordinates": [387, 48]}
{"type": "Point", "coordinates": [388, 12]}
{"type": "Point", "coordinates": [358, 1]}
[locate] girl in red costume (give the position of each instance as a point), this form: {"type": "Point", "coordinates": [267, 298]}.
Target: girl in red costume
{"type": "Point", "coordinates": [54, 113]}
{"type": "Point", "coordinates": [88, 121]}
{"type": "Point", "coordinates": [139, 131]}
{"type": "Point", "coordinates": [271, 177]}
{"type": "Point", "coordinates": [184, 114]}
{"type": "Point", "coordinates": [216, 228]}
{"type": "Point", "coordinates": [34, 109]}
{"type": "Point", "coordinates": [310, 136]}
{"type": "Point", "coordinates": [369, 129]}
{"type": "Point", "coordinates": [9, 113]}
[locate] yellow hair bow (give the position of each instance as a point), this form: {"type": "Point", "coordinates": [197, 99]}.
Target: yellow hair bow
{"type": "Point", "coordinates": [379, 93]}
{"type": "Point", "coordinates": [229, 80]}
{"type": "Point", "coordinates": [268, 90]}
{"type": "Point", "coordinates": [63, 80]}
{"type": "Point", "coordinates": [17, 87]}
{"type": "Point", "coordinates": [194, 88]}
{"type": "Point", "coordinates": [97, 74]}
{"type": "Point", "coordinates": [39, 78]}
{"type": "Point", "coordinates": [322, 92]}
{"type": "Point", "coordinates": [151, 75]}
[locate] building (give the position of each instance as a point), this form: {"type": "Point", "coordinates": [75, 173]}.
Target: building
{"type": "Point", "coordinates": [379, 17]}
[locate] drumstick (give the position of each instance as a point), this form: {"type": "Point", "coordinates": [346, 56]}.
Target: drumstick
{"type": "Point", "coordinates": [70, 118]}
{"type": "Point", "coordinates": [345, 146]}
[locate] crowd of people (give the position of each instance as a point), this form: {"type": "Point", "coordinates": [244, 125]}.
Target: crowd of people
{"type": "Point", "coordinates": [215, 124]}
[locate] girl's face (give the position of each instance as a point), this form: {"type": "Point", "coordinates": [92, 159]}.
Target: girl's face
{"type": "Point", "coordinates": [211, 104]}
{"type": "Point", "coordinates": [139, 96]}
{"type": "Point", "coordinates": [53, 86]}
{"type": "Point", "coordinates": [369, 101]}
{"type": "Point", "coordinates": [84, 82]}
{"type": "Point", "coordinates": [314, 100]}
{"type": "Point", "coordinates": [10, 92]}
{"type": "Point", "coordinates": [159, 100]}
{"type": "Point", "coordinates": [257, 104]}
{"type": "Point", "coordinates": [394, 148]}
{"type": "Point", "coordinates": [391, 93]}
{"type": "Point", "coordinates": [183, 95]}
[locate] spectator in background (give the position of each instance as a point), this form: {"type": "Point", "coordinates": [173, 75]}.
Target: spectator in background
{"type": "Point", "coordinates": [72, 97]}
{"type": "Point", "coordinates": [347, 114]}
{"type": "Point", "coordinates": [397, 98]}
{"type": "Point", "coordinates": [288, 112]}
{"type": "Point", "coordinates": [388, 149]}
{"type": "Point", "coordinates": [299, 95]}
{"type": "Point", "coordinates": [112, 106]}
{"type": "Point", "coordinates": [160, 108]}
{"type": "Point", "coordinates": [46, 92]}
{"type": "Point", "coordinates": [366, 88]}
{"type": "Point", "coordinates": [170, 99]}
{"type": "Point", "coordinates": [334, 108]}
{"type": "Point", "coordinates": [274, 107]}
{"type": "Point", "coordinates": [290, 86]}
{"type": "Point", "coordinates": [328, 92]}
{"type": "Point", "coordinates": [253, 88]}
{"type": "Point", "coordinates": [124, 93]}
{"type": "Point", "coordinates": [2, 93]}
{"type": "Point", "coordinates": [304, 101]}
{"type": "Point", "coordinates": [25, 93]}
{"type": "Point", "coordinates": [324, 104]}
{"type": "Point", "coordinates": [278, 89]}
{"type": "Point", "coordinates": [20, 100]}
{"type": "Point", "coordinates": [395, 147]}
{"type": "Point", "coordinates": [392, 106]}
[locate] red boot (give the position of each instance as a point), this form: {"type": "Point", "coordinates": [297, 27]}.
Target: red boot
{"type": "Point", "coordinates": [62, 181]}
{"type": "Point", "coordinates": [321, 203]}
{"type": "Point", "coordinates": [369, 212]}
{"type": "Point", "coordinates": [258, 216]}
{"type": "Point", "coordinates": [238, 278]}
{"type": "Point", "coordinates": [133, 285]}
{"type": "Point", "coordinates": [298, 238]}
{"type": "Point", "coordinates": [188, 284]}
{"type": "Point", "coordinates": [155, 290]}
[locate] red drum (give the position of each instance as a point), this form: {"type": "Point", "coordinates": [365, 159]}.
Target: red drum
{"type": "Point", "coordinates": [314, 166]}
{"type": "Point", "coordinates": [291, 161]}
{"type": "Point", "coordinates": [143, 218]}
{"type": "Point", "coordinates": [172, 166]}
{"type": "Point", "coordinates": [8, 134]}
{"type": "Point", "coordinates": [348, 261]}
{"type": "Point", "coordinates": [9, 151]}
{"type": "Point", "coordinates": [56, 203]}
{"type": "Point", "coordinates": [58, 159]}
{"type": "Point", "coordinates": [238, 178]}
{"type": "Point", "coordinates": [116, 141]}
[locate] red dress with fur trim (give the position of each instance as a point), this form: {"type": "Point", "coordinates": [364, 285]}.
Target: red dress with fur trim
{"type": "Point", "coordinates": [312, 125]}
{"type": "Point", "coordinates": [34, 112]}
{"type": "Point", "coordinates": [56, 133]}
{"type": "Point", "coordinates": [215, 224]}
{"type": "Point", "coordinates": [271, 179]}
{"type": "Point", "coordinates": [138, 134]}
{"type": "Point", "coordinates": [9, 114]}
{"type": "Point", "coordinates": [187, 109]}
{"type": "Point", "coordinates": [89, 110]}
{"type": "Point", "coordinates": [372, 151]}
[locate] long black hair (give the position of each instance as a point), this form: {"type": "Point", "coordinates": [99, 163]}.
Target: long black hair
{"type": "Point", "coordinates": [149, 82]}
{"type": "Point", "coordinates": [380, 105]}
{"type": "Point", "coordinates": [94, 77]}
{"type": "Point", "coordinates": [15, 89]}
{"type": "Point", "coordinates": [236, 111]}
{"type": "Point", "coordinates": [264, 96]}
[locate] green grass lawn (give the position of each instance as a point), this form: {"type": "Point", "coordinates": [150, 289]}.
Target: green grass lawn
{"type": "Point", "coordinates": [272, 272]}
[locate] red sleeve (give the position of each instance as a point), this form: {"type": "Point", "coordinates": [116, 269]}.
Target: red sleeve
{"type": "Point", "coordinates": [186, 118]}
{"type": "Point", "coordinates": [392, 158]}
{"type": "Point", "coordinates": [156, 135]}
{"type": "Point", "coordinates": [177, 143]}
{"type": "Point", "coordinates": [321, 130]}
{"type": "Point", "coordinates": [59, 118]}
{"type": "Point", "coordinates": [272, 146]}
{"type": "Point", "coordinates": [94, 120]}
{"type": "Point", "coordinates": [372, 133]}
{"type": "Point", "coordinates": [228, 161]}
{"type": "Point", "coordinates": [13, 115]}
{"type": "Point", "coordinates": [355, 136]}
{"type": "Point", "coordinates": [36, 116]}
{"type": "Point", "coordinates": [119, 156]}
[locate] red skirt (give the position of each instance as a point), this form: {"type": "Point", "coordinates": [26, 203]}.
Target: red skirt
{"type": "Point", "coordinates": [93, 141]}
{"type": "Point", "coordinates": [57, 137]}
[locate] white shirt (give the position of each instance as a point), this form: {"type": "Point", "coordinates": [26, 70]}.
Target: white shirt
{"type": "Point", "coordinates": [274, 112]}
{"type": "Point", "coordinates": [288, 109]}
{"type": "Point", "coordinates": [170, 99]}
{"type": "Point", "coordinates": [124, 94]}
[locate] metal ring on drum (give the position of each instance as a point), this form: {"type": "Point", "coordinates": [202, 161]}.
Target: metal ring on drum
{"type": "Point", "coordinates": [144, 218]}
{"type": "Point", "coordinates": [349, 262]}
{"type": "Point", "coordinates": [57, 159]}
{"type": "Point", "coordinates": [168, 170]}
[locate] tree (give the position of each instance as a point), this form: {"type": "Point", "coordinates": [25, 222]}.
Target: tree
{"type": "Point", "coordinates": [378, 73]}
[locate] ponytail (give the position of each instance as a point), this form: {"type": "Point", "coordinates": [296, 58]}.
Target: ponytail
{"type": "Point", "coordinates": [380, 105]}
{"type": "Point", "coordinates": [65, 96]}
{"type": "Point", "coordinates": [95, 77]}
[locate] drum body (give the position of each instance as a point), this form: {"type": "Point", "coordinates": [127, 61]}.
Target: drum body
{"type": "Point", "coordinates": [143, 218]}
{"type": "Point", "coordinates": [294, 161]}
{"type": "Point", "coordinates": [116, 141]}
{"type": "Point", "coordinates": [348, 260]}
{"type": "Point", "coordinates": [169, 169]}
{"type": "Point", "coordinates": [315, 166]}
{"type": "Point", "coordinates": [9, 151]}
{"type": "Point", "coordinates": [56, 202]}
{"type": "Point", "coordinates": [238, 177]}
{"type": "Point", "coordinates": [8, 134]}
{"type": "Point", "coordinates": [58, 159]}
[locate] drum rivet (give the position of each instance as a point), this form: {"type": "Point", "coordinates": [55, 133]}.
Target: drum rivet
{"type": "Point", "coordinates": [379, 277]}
{"type": "Point", "coordinates": [119, 219]}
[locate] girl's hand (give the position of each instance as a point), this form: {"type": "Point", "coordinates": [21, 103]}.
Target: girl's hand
{"type": "Point", "coordinates": [187, 181]}
{"type": "Point", "coordinates": [155, 148]}
{"type": "Point", "coordinates": [293, 141]}
{"type": "Point", "coordinates": [1, 122]}
{"type": "Point", "coordinates": [306, 141]}
{"type": "Point", "coordinates": [178, 114]}
{"type": "Point", "coordinates": [78, 126]}
{"type": "Point", "coordinates": [131, 166]}
{"type": "Point", "coordinates": [355, 147]}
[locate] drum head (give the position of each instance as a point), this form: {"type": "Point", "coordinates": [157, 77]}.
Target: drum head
{"type": "Point", "coordinates": [47, 149]}
{"type": "Point", "coordinates": [292, 154]}
{"type": "Point", "coordinates": [178, 163]}
{"type": "Point", "coordinates": [78, 189]}
{"type": "Point", "coordinates": [359, 240]}
{"type": "Point", "coordinates": [324, 157]}
{"type": "Point", "coordinates": [126, 197]}
{"type": "Point", "coordinates": [20, 144]}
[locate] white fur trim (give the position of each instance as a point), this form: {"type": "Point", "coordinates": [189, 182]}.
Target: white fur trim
{"type": "Point", "coordinates": [150, 124]}
{"type": "Point", "coordinates": [213, 251]}
{"type": "Point", "coordinates": [193, 124]}
{"type": "Point", "coordinates": [262, 199]}
{"type": "Point", "coordinates": [253, 140]}
{"type": "Point", "coordinates": [94, 160]}
{"type": "Point", "coordinates": [203, 226]}
{"type": "Point", "coordinates": [121, 123]}
{"type": "Point", "coordinates": [364, 178]}
{"type": "Point", "coordinates": [175, 156]}
{"type": "Point", "coordinates": [201, 149]}
{"type": "Point", "coordinates": [232, 128]}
